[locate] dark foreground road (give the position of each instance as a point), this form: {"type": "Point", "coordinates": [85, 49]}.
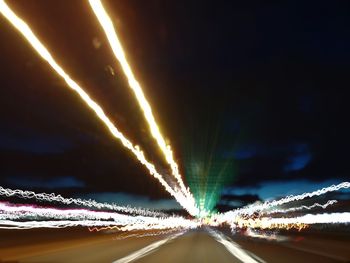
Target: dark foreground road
{"type": "Point", "coordinates": [78, 245]}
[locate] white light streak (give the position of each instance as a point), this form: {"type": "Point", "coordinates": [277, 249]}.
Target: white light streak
{"type": "Point", "coordinates": [25, 30]}
{"type": "Point", "coordinates": [111, 34]}
{"type": "Point", "coordinates": [249, 210]}
{"type": "Point", "coordinates": [267, 236]}
{"type": "Point", "coordinates": [59, 218]}
{"type": "Point", "coordinates": [325, 218]}
{"type": "Point", "coordinates": [303, 207]}
{"type": "Point", "coordinates": [299, 222]}
{"type": "Point", "coordinates": [8, 224]}
{"type": "Point", "coordinates": [148, 234]}
{"type": "Point", "coordinates": [52, 197]}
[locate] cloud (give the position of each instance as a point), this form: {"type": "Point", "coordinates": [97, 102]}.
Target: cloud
{"type": "Point", "coordinates": [276, 189]}
{"type": "Point", "coordinates": [134, 200]}
{"type": "Point", "coordinates": [242, 152]}
{"type": "Point", "coordinates": [55, 182]}
{"type": "Point", "coordinates": [232, 203]}
{"type": "Point", "coordinates": [238, 200]}
{"type": "Point", "coordinates": [34, 143]}
{"type": "Point", "coordinates": [299, 160]}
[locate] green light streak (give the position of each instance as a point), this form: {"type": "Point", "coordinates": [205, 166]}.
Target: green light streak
{"type": "Point", "coordinates": [206, 181]}
{"type": "Point", "coordinates": [206, 170]}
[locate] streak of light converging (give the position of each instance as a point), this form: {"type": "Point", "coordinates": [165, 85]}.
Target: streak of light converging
{"type": "Point", "coordinates": [325, 218]}
{"type": "Point", "coordinates": [149, 223]}
{"type": "Point", "coordinates": [26, 211]}
{"type": "Point", "coordinates": [147, 234]}
{"type": "Point", "coordinates": [20, 216]}
{"type": "Point", "coordinates": [118, 51]}
{"type": "Point", "coordinates": [77, 201]}
{"type": "Point", "coordinates": [299, 222]}
{"type": "Point", "coordinates": [9, 224]}
{"type": "Point", "coordinates": [249, 210]}
{"type": "Point", "coordinates": [25, 30]}
{"type": "Point", "coordinates": [265, 235]}
{"type": "Point", "coordinates": [303, 207]}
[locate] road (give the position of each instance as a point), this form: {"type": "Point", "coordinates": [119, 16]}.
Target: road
{"type": "Point", "coordinates": [204, 245]}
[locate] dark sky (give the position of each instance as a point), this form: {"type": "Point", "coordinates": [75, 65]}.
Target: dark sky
{"type": "Point", "coordinates": [268, 82]}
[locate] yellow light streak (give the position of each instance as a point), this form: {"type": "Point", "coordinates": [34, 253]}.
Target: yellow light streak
{"type": "Point", "coordinates": [25, 30]}
{"type": "Point", "coordinates": [269, 223]}
{"type": "Point", "coordinates": [111, 34]}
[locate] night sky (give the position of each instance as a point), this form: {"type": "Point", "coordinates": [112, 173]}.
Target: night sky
{"type": "Point", "coordinates": [261, 85]}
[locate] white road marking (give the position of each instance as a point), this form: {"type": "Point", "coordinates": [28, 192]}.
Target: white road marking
{"type": "Point", "coordinates": [235, 249]}
{"type": "Point", "coordinates": [146, 250]}
{"type": "Point", "coordinates": [316, 252]}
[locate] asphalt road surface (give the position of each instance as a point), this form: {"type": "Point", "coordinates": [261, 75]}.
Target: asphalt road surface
{"type": "Point", "coordinates": [205, 245]}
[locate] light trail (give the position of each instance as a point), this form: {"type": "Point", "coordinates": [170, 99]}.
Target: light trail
{"type": "Point", "coordinates": [264, 223]}
{"type": "Point", "coordinates": [54, 217]}
{"type": "Point", "coordinates": [149, 234]}
{"type": "Point", "coordinates": [8, 224]}
{"type": "Point", "coordinates": [52, 197]}
{"type": "Point", "coordinates": [257, 215]}
{"type": "Point", "coordinates": [299, 222]}
{"type": "Point", "coordinates": [93, 225]}
{"type": "Point", "coordinates": [111, 34]}
{"type": "Point", "coordinates": [267, 236]}
{"type": "Point", "coordinates": [26, 211]}
{"type": "Point", "coordinates": [25, 30]}
{"type": "Point", "coordinates": [153, 223]}
{"type": "Point", "coordinates": [251, 209]}
{"type": "Point", "coordinates": [303, 207]}
{"type": "Point", "coordinates": [182, 195]}
{"type": "Point", "coordinates": [325, 218]}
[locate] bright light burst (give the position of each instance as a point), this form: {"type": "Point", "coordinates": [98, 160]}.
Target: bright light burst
{"type": "Point", "coordinates": [265, 215]}
{"type": "Point", "coordinates": [25, 30]}
{"type": "Point", "coordinates": [119, 53]}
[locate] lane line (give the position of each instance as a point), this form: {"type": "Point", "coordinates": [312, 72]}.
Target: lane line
{"type": "Point", "coordinates": [259, 259]}
{"type": "Point", "coordinates": [146, 250]}
{"type": "Point", "coordinates": [316, 252]}
{"type": "Point", "coordinates": [234, 248]}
